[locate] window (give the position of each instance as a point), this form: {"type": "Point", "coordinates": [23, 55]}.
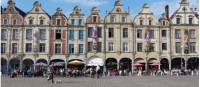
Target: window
{"type": "Point", "coordinates": [58, 22]}
{"type": "Point", "coordinates": [89, 32]}
{"type": "Point", "coordinates": [163, 22]}
{"type": "Point", "coordinates": [80, 21]}
{"type": "Point", "coordinates": [3, 48]}
{"type": "Point", "coordinates": [125, 47]}
{"type": "Point", "coordinates": [72, 21]}
{"type": "Point", "coordinates": [14, 48]}
{"type": "Point", "coordinates": [112, 19]}
{"type": "Point", "coordinates": [71, 34]}
{"type": "Point", "coordinates": [152, 47]}
{"type": "Point", "coordinates": [99, 46]}
{"type": "Point", "coordinates": [150, 22]}
{"type": "Point", "coordinates": [57, 48]}
{"type": "Point", "coordinates": [58, 34]}
{"type": "Point", "coordinates": [178, 47]}
{"type": "Point", "coordinates": [99, 30]}
{"type": "Point", "coordinates": [3, 34]}
{"type": "Point", "coordinates": [141, 22]}
{"type": "Point", "coordinates": [15, 34]}
{"type": "Point", "coordinates": [30, 21]}
{"type": "Point", "coordinates": [164, 46]}
{"type": "Point", "coordinates": [192, 47]}
{"type": "Point", "coordinates": [178, 34]}
{"type": "Point", "coordinates": [28, 47]}
{"type": "Point", "coordinates": [29, 34]}
{"type": "Point", "coordinates": [110, 46]}
{"type": "Point", "coordinates": [192, 34]}
{"type": "Point", "coordinates": [139, 33]}
{"type": "Point", "coordinates": [42, 47]}
{"type": "Point", "coordinates": [139, 47]}
{"type": "Point", "coordinates": [123, 19]}
{"type": "Point", "coordinates": [81, 34]}
{"type": "Point", "coordinates": [14, 21]}
{"type": "Point", "coordinates": [125, 32]}
{"type": "Point", "coordinates": [71, 48]}
{"type": "Point", "coordinates": [164, 33]}
{"type": "Point", "coordinates": [89, 47]}
{"type": "Point", "coordinates": [41, 22]}
{"type": "Point", "coordinates": [151, 34]}
{"type": "Point", "coordinates": [80, 48]}
{"type": "Point", "coordinates": [190, 20]}
{"type": "Point", "coordinates": [94, 19]}
{"type": "Point", "coordinates": [42, 34]}
{"type": "Point", "coordinates": [5, 21]}
{"type": "Point", "coordinates": [110, 32]}
{"type": "Point", "coordinates": [178, 20]}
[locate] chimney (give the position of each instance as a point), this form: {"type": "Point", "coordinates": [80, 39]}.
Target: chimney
{"type": "Point", "coordinates": [167, 11]}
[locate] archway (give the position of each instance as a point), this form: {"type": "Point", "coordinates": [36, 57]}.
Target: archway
{"type": "Point", "coordinates": [139, 64]}
{"type": "Point", "coordinates": [3, 66]}
{"type": "Point", "coordinates": [76, 64]}
{"type": "Point", "coordinates": [58, 65]}
{"type": "Point", "coordinates": [193, 63]}
{"type": "Point", "coordinates": [153, 64]}
{"type": "Point", "coordinates": [27, 63]}
{"type": "Point", "coordinates": [95, 61]}
{"type": "Point", "coordinates": [41, 61]}
{"type": "Point", "coordinates": [14, 63]}
{"type": "Point", "coordinates": [177, 63]}
{"type": "Point", "coordinates": [125, 64]}
{"type": "Point", "coordinates": [111, 63]}
{"type": "Point", "coordinates": [164, 64]}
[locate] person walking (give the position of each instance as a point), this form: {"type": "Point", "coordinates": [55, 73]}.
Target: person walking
{"type": "Point", "coordinates": [51, 74]}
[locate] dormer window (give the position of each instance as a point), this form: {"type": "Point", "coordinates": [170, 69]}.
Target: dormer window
{"type": "Point", "coordinates": [112, 19]}
{"type": "Point", "coordinates": [150, 22]}
{"type": "Point", "coordinates": [31, 21]}
{"type": "Point", "coordinates": [190, 20]}
{"type": "Point", "coordinates": [178, 20]}
{"type": "Point", "coordinates": [5, 21]}
{"type": "Point", "coordinates": [163, 23]}
{"type": "Point", "coordinates": [94, 19]}
{"type": "Point", "coordinates": [141, 22]}
{"type": "Point", "coordinates": [58, 22]}
{"type": "Point", "coordinates": [118, 10]}
{"type": "Point", "coordinates": [41, 22]}
{"type": "Point", "coordinates": [14, 21]}
{"type": "Point", "coordinates": [123, 19]}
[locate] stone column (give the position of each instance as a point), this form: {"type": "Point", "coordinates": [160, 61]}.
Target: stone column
{"type": "Point", "coordinates": [185, 64]}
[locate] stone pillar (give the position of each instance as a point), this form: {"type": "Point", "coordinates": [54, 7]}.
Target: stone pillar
{"type": "Point", "coordinates": [185, 64]}
{"type": "Point", "coordinates": [146, 65]}
{"type": "Point", "coordinates": [170, 64]}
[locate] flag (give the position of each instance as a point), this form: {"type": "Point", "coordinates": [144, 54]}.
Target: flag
{"type": "Point", "coordinates": [146, 38]}
{"type": "Point", "coordinates": [186, 42]}
{"type": "Point", "coordinates": [94, 36]}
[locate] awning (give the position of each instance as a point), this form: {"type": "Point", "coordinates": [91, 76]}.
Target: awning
{"type": "Point", "coordinates": [95, 62]}
{"type": "Point", "coordinates": [155, 64]}
{"type": "Point", "coordinates": [59, 64]}
{"type": "Point", "coordinates": [76, 62]}
{"type": "Point", "coordinates": [137, 64]}
{"type": "Point", "coordinates": [41, 64]}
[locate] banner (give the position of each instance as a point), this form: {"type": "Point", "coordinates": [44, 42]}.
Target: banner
{"type": "Point", "coordinates": [146, 39]}
{"type": "Point", "coordinates": [94, 37]}
{"type": "Point", "coordinates": [186, 42]}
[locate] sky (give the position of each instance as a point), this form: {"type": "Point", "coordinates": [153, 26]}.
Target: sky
{"type": "Point", "coordinates": [156, 6]}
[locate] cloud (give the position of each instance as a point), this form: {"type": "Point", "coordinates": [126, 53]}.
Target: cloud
{"type": "Point", "coordinates": [89, 3]}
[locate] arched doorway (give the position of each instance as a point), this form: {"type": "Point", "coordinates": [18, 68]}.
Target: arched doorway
{"type": "Point", "coordinates": [153, 64]}
{"type": "Point", "coordinates": [58, 65]}
{"type": "Point", "coordinates": [14, 63]}
{"type": "Point", "coordinates": [111, 66]}
{"type": "Point", "coordinates": [27, 63]}
{"type": "Point", "coordinates": [139, 64]}
{"type": "Point", "coordinates": [177, 63]}
{"type": "Point", "coordinates": [41, 66]}
{"type": "Point", "coordinates": [164, 64]}
{"type": "Point", "coordinates": [125, 64]}
{"type": "Point", "coordinates": [41, 61]}
{"type": "Point", "coordinates": [95, 61]}
{"type": "Point", "coordinates": [193, 63]}
{"type": "Point", "coordinates": [3, 66]}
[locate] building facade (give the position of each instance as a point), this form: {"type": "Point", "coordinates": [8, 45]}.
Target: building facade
{"type": "Point", "coordinates": [116, 41]}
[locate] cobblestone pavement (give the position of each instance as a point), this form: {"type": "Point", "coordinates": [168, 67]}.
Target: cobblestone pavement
{"type": "Point", "coordinates": [126, 81]}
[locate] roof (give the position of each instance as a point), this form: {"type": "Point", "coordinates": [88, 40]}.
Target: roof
{"type": "Point", "coordinates": [20, 11]}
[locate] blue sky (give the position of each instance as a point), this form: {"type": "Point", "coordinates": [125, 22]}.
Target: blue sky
{"type": "Point", "coordinates": [157, 6]}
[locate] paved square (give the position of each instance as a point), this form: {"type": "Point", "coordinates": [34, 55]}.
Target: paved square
{"type": "Point", "coordinates": [130, 81]}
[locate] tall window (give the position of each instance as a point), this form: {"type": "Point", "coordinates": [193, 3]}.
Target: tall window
{"type": "Point", "coordinates": [5, 21]}
{"type": "Point", "coordinates": [3, 48]}
{"type": "Point", "coordinates": [139, 33]}
{"type": "Point", "coordinates": [178, 34]}
{"type": "Point", "coordinates": [150, 21]}
{"type": "Point", "coordinates": [178, 20]}
{"type": "Point", "coordinates": [15, 34]}
{"type": "Point", "coordinates": [99, 46]}
{"type": "Point", "coordinates": [81, 35]}
{"type": "Point", "coordinates": [190, 20]}
{"type": "Point", "coordinates": [125, 32]}
{"type": "Point", "coordinates": [125, 47]}
{"type": "Point", "coordinates": [94, 19]}
{"type": "Point", "coordinates": [28, 34]}
{"type": "Point", "coordinates": [28, 47]}
{"type": "Point", "coordinates": [178, 47]}
{"type": "Point", "coordinates": [192, 47]}
{"type": "Point", "coordinates": [110, 46]}
{"type": "Point", "coordinates": [110, 32]}
{"type": "Point", "coordinates": [41, 21]}
{"type": "Point", "coordinates": [42, 47]}
{"type": "Point", "coordinates": [152, 47]}
{"type": "Point", "coordinates": [71, 35]}
{"type": "Point", "coordinates": [112, 19]}
{"type": "Point", "coordinates": [89, 47]}
{"type": "Point", "coordinates": [123, 19]}
{"type": "Point", "coordinates": [57, 48]}
{"type": "Point", "coordinates": [14, 21]}
{"type": "Point", "coordinates": [164, 33]}
{"type": "Point", "coordinates": [80, 50]}
{"type": "Point", "coordinates": [139, 47]}
{"type": "Point", "coordinates": [80, 21]}
{"type": "Point", "coordinates": [42, 34]}
{"type": "Point", "coordinates": [192, 34]}
{"type": "Point", "coordinates": [164, 46]}
{"type": "Point", "coordinates": [14, 48]}
{"type": "Point", "coordinates": [30, 21]}
{"type": "Point", "coordinates": [72, 21]}
{"type": "Point", "coordinates": [58, 22]}
{"type": "Point", "coordinates": [71, 48]}
{"type": "Point", "coordinates": [164, 23]}
{"type": "Point", "coordinates": [141, 22]}
{"type": "Point", "coordinates": [151, 34]}
{"type": "Point", "coordinates": [99, 31]}
{"type": "Point", "coordinates": [58, 34]}
{"type": "Point", "coordinates": [89, 32]}
{"type": "Point", "coordinates": [3, 34]}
